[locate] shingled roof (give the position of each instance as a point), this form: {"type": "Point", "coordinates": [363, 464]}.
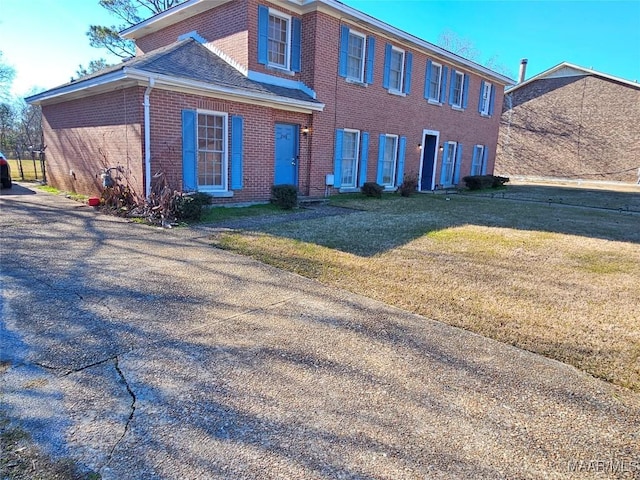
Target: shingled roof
{"type": "Point", "coordinates": [186, 61]}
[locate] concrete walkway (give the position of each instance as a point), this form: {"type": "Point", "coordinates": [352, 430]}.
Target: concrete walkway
{"type": "Point", "coordinates": [147, 354]}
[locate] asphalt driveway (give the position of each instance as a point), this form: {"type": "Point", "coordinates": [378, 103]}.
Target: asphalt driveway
{"type": "Point", "coordinates": [146, 353]}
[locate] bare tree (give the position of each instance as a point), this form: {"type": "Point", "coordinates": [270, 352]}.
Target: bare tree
{"type": "Point", "coordinates": [129, 13]}
{"type": "Point", "coordinates": [7, 73]}
{"type": "Point", "coordinates": [451, 41]}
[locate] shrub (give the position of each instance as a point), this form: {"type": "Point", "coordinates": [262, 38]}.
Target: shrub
{"type": "Point", "coordinates": [189, 206]}
{"type": "Point", "coordinates": [499, 181]}
{"type": "Point", "coordinates": [480, 182]}
{"type": "Point", "coordinates": [408, 186]}
{"type": "Point", "coordinates": [284, 196]}
{"type": "Point", "coordinates": [372, 189]}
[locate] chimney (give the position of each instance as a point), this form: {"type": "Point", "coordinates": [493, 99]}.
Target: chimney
{"type": "Point", "coordinates": [523, 70]}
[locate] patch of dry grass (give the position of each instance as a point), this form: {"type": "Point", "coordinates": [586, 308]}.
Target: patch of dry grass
{"type": "Point", "coordinates": [558, 281]}
{"type": "Point", "coordinates": [30, 170]}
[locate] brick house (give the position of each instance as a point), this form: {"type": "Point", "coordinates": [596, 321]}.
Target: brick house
{"type": "Point", "coordinates": [571, 122]}
{"type": "Point", "coordinates": [231, 97]}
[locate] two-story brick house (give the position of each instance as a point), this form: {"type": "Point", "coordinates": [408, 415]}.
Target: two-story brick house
{"type": "Point", "coordinates": [231, 97]}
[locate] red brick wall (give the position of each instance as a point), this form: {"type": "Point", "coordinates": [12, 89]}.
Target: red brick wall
{"type": "Point", "coordinates": [225, 27]}
{"type": "Point", "coordinates": [373, 109]}
{"type": "Point", "coordinates": [258, 141]}
{"type": "Point", "coordinates": [581, 127]}
{"type": "Point", "coordinates": [85, 135]}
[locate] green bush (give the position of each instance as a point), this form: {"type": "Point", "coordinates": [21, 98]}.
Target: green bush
{"type": "Point", "coordinates": [372, 189]}
{"type": "Point", "coordinates": [481, 182]}
{"type": "Point", "coordinates": [284, 196]}
{"type": "Point", "coordinates": [188, 207]}
{"type": "Point", "coordinates": [408, 186]}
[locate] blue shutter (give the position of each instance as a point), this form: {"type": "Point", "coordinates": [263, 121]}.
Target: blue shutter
{"type": "Point", "coordinates": [484, 160]}
{"type": "Point", "coordinates": [443, 169]}
{"type": "Point", "coordinates": [456, 171]}
{"type": "Point", "coordinates": [263, 34]}
{"type": "Point", "coordinates": [452, 86]}
{"type": "Point", "coordinates": [474, 160]}
{"type": "Point", "coordinates": [465, 90]}
{"type": "Point", "coordinates": [387, 66]}
{"type": "Point", "coordinates": [364, 156]}
{"type": "Point", "coordinates": [407, 72]}
{"type": "Point", "coordinates": [189, 183]}
{"type": "Point", "coordinates": [480, 99]}
{"type": "Point", "coordinates": [401, 153]}
{"type": "Point", "coordinates": [381, 143]}
{"type": "Point", "coordinates": [443, 85]}
{"type": "Point", "coordinates": [344, 50]}
{"type": "Point", "coordinates": [492, 99]}
{"type": "Point", "coordinates": [371, 52]}
{"type": "Point", "coordinates": [296, 51]}
{"type": "Point", "coordinates": [337, 169]}
{"type": "Point", "coordinates": [427, 80]}
{"type": "Point", "coordinates": [237, 127]}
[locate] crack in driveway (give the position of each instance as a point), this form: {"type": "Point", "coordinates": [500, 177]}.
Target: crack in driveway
{"type": "Point", "coordinates": [131, 414]}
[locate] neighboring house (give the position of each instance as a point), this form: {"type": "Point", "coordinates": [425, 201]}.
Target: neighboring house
{"type": "Point", "coordinates": [231, 97]}
{"type": "Point", "coordinates": [571, 122]}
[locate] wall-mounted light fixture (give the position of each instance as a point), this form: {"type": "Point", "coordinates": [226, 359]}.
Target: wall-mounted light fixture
{"type": "Point", "coordinates": [419, 146]}
{"type": "Point", "coordinates": [441, 148]}
{"type": "Point", "coordinates": [305, 130]}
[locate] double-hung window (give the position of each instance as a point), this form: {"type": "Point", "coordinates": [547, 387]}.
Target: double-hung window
{"type": "Point", "coordinates": [479, 161]}
{"type": "Point", "coordinates": [278, 43]}
{"type": "Point", "coordinates": [435, 82]}
{"type": "Point", "coordinates": [211, 165]}
{"type": "Point", "coordinates": [350, 154]}
{"type": "Point", "coordinates": [451, 164]}
{"type": "Point", "coordinates": [457, 86]}
{"type": "Point", "coordinates": [389, 158]}
{"type": "Point", "coordinates": [356, 56]}
{"type": "Point", "coordinates": [396, 69]}
{"type": "Point", "coordinates": [279, 39]}
{"type": "Point", "coordinates": [485, 104]}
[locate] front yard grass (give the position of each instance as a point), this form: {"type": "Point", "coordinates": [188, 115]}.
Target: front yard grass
{"type": "Point", "coordinates": [555, 280]}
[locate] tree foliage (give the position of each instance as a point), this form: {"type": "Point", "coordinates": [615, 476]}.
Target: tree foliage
{"type": "Point", "coordinates": [94, 66]}
{"type": "Point", "coordinates": [128, 13]}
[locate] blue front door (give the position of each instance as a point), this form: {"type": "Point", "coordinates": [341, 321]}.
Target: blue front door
{"type": "Point", "coordinates": [286, 167]}
{"type": "Point", "coordinates": [430, 148]}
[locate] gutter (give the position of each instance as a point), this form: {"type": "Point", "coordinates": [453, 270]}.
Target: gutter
{"type": "Point", "coordinates": [147, 138]}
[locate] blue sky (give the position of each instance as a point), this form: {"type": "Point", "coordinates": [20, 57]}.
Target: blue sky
{"type": "Point", "coordinates": [45, 41]}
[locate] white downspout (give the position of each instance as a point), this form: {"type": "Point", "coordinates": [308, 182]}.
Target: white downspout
{"type": "Point", "coordinates": [147, 138]}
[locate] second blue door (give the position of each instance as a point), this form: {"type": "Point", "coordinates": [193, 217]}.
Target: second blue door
{"type": "Point", "coordinates": [286, 164]}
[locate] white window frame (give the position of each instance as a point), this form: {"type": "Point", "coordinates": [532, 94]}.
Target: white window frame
{"type": "Point", "coordinates": [394, 165]}
{"type": "Point", "coordinates": [225, 151]}
{"type": "Point", "coordinates": [392, 88]}
{"type": "Point", "coordinates": [486, 98]}
{"type": "Point", "coordinates": [450, 166]}
{"type": "Point", "coordinates": [435, 99]}
{"type": "Point", "coordinates": [359, 79]}
{"type": "Point", "coordinates": [457, 102]}
{"type": "Point", "coordinates": [476, 168]}
{"type": "Point", "coordinates": [287, 53]}
{"type": "Point", "coordinates": [356, 159]}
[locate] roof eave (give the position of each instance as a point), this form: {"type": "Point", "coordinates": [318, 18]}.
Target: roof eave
{"type": "Point", "coordinates": [231, 93]}
{"type": "Point", "coordinates": [78, 86]}
{"type": "Point", "coordinates": [586, 71]}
